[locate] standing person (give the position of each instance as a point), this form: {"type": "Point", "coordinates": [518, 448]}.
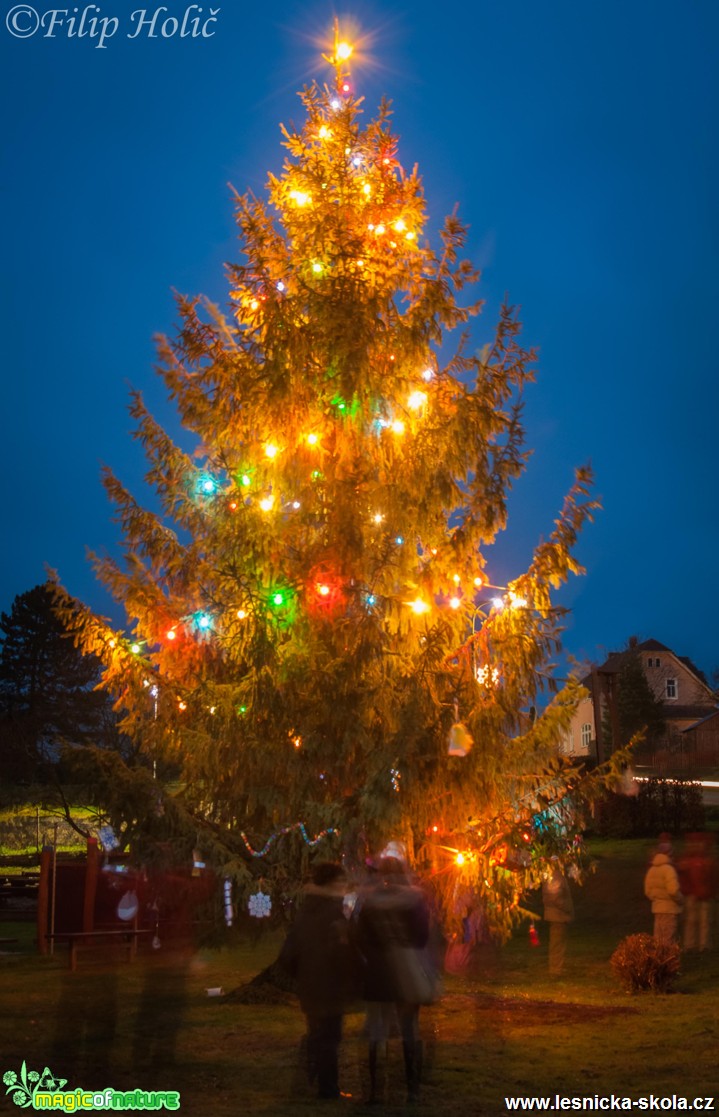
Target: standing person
{"type": "Point", "coordinates": [392, 930]}
{"type": "Point", "coordinates": [698, 881]}
{"type": "Point", "coordinates": [318, 955]}
{"type": "Point", "coordinates": [558, 913]}
{"type": "Point", "coordinates": [661, 886]}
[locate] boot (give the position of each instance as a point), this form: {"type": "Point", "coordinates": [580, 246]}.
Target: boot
{"type": "Point", "coordinates": [413, 1054]}
{"type": "Point", "coordinates": [377, 1064]}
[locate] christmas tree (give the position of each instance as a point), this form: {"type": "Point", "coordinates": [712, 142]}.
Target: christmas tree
{"type": "Point", "coordinates": [318, 651]}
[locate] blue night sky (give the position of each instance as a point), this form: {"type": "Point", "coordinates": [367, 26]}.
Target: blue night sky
{"type": "Point", "coordinates": [580, 142]}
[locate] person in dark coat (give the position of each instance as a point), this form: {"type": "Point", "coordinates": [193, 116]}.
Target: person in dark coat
{"type": "Point", "coordinates": [559, 913]}
{"type": "Point", "coordinates": [318, 955]}
{"type": "Point", "coordinates": [392, 916]}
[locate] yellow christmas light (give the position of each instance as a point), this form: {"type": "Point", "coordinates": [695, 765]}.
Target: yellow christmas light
{"type": "Point", "coordinates": [317, 268]}
{"type": "Point", "coordinates": [324, 132]}
{"type": "Point", "coordinates": [241, 614]}
{"type": "Point", "coordinates": [366, 189]}
{"type": "Point", "coordinates": [271, 451]}
{"type": "Point", "coordinates": [312, 439]}
{"type": "Point", "coordinates": [267, 503]}
{"type": "Point", "coordinates": [455, 602]}
{"type": "Point", "coordinates": [399, 226]}
{"type": "Point", "coordinates": [419, 606]}
{"type": "Point", "coordinates": [398, 426]}
{"type": "Point", "coordinates": [417, 400]}
{"type": "Point", "coordinates": [343, 51]}
{"type": "Point", "coordinates": [300, 198]}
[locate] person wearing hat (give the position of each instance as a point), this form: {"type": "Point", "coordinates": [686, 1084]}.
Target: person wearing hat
{"type": "Point", "coordinates": [661, 886]}
{"type": "Point", "coordinates": [318, 954]}
{"type": "Point", "coordinates": [391, 928]}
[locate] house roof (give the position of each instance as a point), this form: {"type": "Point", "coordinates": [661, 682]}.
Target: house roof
{"type": "Point", "coordinates": [702, 721]}
{"type": "Point", "coordinates": [680, 713]}
{"type": "Point", "coordinates": [613, 661]}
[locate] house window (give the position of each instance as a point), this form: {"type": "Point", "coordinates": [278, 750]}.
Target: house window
{"type": "Point", "coordinates": [586, 735]}
{"type": "Point", "coordinates": [654, 662]}
{"type": "Point", "coordinates": [671, 691]}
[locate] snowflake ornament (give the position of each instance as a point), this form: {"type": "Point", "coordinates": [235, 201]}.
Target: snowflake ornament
{"type": "Point", "coordinates": [260, 905]}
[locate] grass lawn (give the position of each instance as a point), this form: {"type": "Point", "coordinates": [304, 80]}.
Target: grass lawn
{"type": "Point", "coordinates": [505, 1030]}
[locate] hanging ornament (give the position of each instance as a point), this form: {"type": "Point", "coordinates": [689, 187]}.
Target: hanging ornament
{"type": "Point", "coordinates": [533, 935]}
{"type": "Point", "coordinates": [108, 838]}
{"type": "Point", "coordinates": [227, 892]}
{"type": "Point", "coordinates": [259, 905]}
{"type": "Point", "coordinates": [459, 741]}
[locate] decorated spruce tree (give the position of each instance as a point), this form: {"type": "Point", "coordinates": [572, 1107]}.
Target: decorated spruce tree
{"type": "Point", "coordinates": [318, 656]}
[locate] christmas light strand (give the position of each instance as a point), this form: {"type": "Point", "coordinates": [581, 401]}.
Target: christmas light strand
{"type": "Point", "coordinates": [311, 842]}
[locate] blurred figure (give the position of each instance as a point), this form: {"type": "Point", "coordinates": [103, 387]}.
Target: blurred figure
{"type": "Point", "coordinates": [661, 886]}
{"type": "Point", "coordinates": [698, 880]}
{"type": "Point", "coordinates": [318, 954]}
{"type": "Point", "coordinates": [392, 931]}
{"type": "Point", "coordinates": [558, 913]}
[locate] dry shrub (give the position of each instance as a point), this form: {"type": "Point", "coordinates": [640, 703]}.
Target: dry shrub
{"type": "Point", "coordinates": [641, 962]}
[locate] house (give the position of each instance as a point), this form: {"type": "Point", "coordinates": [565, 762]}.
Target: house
{"type": "Point", "coordinates": [689, 707]}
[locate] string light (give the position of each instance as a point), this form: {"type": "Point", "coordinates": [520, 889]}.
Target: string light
{"type": "Point", "coordinates": [171, 634]}
{"type": "Point", "coordinates": [455, 602]}
{"type": "Point", "coordinates": [317, 267]}
{"type": "Point", "coordinates": [204, 621]}
{"type": "Point", "coordinates": [419, 606]}
{"type": "Point", "coordinates": [313, 439]}
{"type": "Point", "coordinates": [343, 51]}
{"type": "Point", "coordinates": [241, 614]}
{"type": "Point", "coordinates": [300, 198]}
{"type": "Point", "coordinates": [428, 374]}
{"type": "Point", "coordinates": [271, 451]}
{"type": "Point", "coordinates": [417, 400]}
{"type": "Point", "coordinates": [311, 842]}
{"type": "Point", "coordinates": [267, 503]}
{"type": "Point", "coordinates": [135, 649]}
{"type": "Point", "coordinates": [398, 426]}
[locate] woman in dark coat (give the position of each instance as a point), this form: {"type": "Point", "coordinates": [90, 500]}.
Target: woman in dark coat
{"type": "Point", "coordinates": [318, 955]}
{"type": "Point", "coordinates": [392, 920]}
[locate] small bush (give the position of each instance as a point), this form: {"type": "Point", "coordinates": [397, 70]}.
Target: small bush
{"type": "Point", "coordinates": [641, 962]}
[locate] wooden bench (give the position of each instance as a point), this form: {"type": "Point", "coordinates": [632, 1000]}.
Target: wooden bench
{"type": "Point", "coordinates": [99, 939]}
